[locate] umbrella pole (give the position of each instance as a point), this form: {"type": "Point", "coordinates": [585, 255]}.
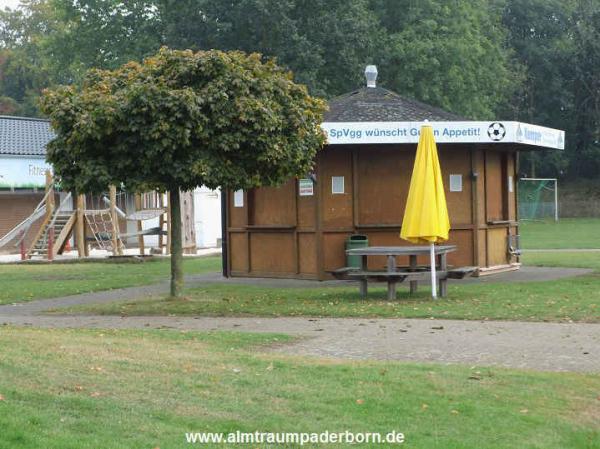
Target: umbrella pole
{"type": "Point", "coordinates": [433, 280]}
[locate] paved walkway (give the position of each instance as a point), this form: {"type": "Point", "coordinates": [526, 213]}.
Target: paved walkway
{"type": "Point", "coordinates": [542, 346]}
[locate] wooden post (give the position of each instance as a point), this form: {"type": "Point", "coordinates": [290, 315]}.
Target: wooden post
{"type": "Point", "coordinates": [51, 244]}
{"type": "Point", "coordinates": [50, 198]}
{"type": "Point", "coordinates": [138, 207]}
{"type": "Point", "coordinates": [117, 250]}
{"type": "Point", "coordinates": [475, 205]}
{"type": "Point", "coordinates": [187, 222]}
{"type": "Point", "coordinates": [413, 267]}
{"type": "Point", "coordinates": [80, 227]}
{"type": "Point", "coordinates": [391, 268]}
{"type": "Point", "coordinates": [364, 288]}
{"type": "Point", "coordinates": [443, 281]}
{"type": "Point", "coordinates": [22, 246]}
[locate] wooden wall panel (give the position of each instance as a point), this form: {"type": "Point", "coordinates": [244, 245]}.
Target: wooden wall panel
{"type": "Point", "coordinates": [481, 187]}
{"type": "Point", "coordinates": [463, 256]}
{"type": "Point", "coordinates": [457, 161]}
{"type": "Point", "coordinates": [482, 248]}
{"type": "Point", "coordinates": [336, 208]}
{"type": "Point", "coordinates": [307, 253]}
{"type": "Point", "coordinates": [496, 246]}
{"type": "Point", "coordinates": [512, 200]}
{"type": "Point", "coordinates": [238, 243]}
{"type": "Point", "coordinates": [272, 252]}
{"type": "Point", "coordinates": [383, 182]}
{"type": "Point", "coordinates": [307, 210]}
{"type": "Point", "coordinates": [513, 231]}
{"type": "Point", "coordinates": [494, 183]}
{"type": "Point", "coordinates": [273, 206]}
{"type": "Point", "coordinates": [334, 248]}
{"type": "Point", "coordinates": [238, 216]}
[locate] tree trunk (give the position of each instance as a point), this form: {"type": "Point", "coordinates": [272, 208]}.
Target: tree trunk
{"type": "Point", "coordinates": [176, 248]}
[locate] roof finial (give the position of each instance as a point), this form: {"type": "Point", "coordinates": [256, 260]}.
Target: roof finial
{"type": "Point", "coordinates": [371, 75]}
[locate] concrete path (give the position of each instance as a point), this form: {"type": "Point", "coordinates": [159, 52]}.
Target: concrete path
{"type": "Point", "coordinates": [541, 346]}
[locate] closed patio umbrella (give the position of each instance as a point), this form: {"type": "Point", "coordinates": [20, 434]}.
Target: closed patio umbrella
{"type": "Point", "coordinates": [426, 215]}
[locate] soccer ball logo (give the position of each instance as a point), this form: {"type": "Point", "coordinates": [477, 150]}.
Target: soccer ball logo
{"type": "Point", "coordinates": [496, 131]}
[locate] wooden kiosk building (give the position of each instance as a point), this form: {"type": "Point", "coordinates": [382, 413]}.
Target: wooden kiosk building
{"type": "Point", "coordinates": [360, 185]}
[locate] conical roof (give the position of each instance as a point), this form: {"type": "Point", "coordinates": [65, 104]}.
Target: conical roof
{"type": "Point", "coordinates": [376, 104]}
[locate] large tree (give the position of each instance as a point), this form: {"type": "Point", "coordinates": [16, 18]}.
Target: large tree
{"type": "Point", "coordinates": [586, 88]}
{"type": "Point", "coordinates": [180, 120]}
{"type": "Point", "coordinates": [540, 32]}
{"type": "Point", "coordinates": [449, 54]}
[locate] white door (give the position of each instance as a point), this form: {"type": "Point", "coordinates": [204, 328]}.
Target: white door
{"type": "Point", "coordinates": [207, 217]}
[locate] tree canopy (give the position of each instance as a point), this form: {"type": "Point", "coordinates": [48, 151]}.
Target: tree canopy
{"type": "Point", "coordinates": [180, 120]}
{"type": "Point", "coordinates": [531, 60]}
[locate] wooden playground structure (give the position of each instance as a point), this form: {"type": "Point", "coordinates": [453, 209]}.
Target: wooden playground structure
{"type": "Point", "coordinates": [99, 221]}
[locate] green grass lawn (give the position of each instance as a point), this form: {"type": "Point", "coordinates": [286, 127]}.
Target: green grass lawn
{"type": "Point", "coordinates": [568, 233]}
{"type": "Point", "coordinates": [569, 259]}
{"type": "Point", "coordinates": [74, 389]}
{"type": "Point", "coordinates": [570, 299]}
{"type": "Point", "coordinates": [576, 299]}
{"type": "Point", "coordinates": [28, 282]}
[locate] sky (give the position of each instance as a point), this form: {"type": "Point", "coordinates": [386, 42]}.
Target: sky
{"type": "Point", "coordinates": [11, 3]}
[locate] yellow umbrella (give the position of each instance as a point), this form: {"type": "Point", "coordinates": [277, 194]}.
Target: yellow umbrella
{"type": "Point", "coordinates": [426, 214]}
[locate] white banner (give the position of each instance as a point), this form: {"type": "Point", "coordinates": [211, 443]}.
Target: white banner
{"type": "Point", "coordinates": [23, 172]}
{"type": "Point", "coordinates": [445, 132]}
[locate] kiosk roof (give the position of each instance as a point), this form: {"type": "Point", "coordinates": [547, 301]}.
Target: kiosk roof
{"type": "Point", "coordinates": [376, 104]}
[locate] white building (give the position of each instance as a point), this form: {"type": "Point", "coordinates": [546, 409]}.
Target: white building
{"type": "Point", "coordinates": [22, 181]}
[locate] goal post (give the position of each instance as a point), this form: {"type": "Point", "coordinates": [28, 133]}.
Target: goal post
{"type": "Point", "coordinates": [538, 199]}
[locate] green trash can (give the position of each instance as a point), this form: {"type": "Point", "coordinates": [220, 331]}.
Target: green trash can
{"type": "Point", "coordinates": [353, 242]}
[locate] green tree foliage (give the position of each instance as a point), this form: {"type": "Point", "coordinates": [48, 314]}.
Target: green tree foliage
{"type": "Point", "coordinates": [325, 42]}
{"type": "Point", "coordinates": [558, 43]}
{"type": "Point", "coordinates": [586, 93]}
{"type": "Point", "coordinates": [539, 34]}
{"type": "Point", "coordinates": [23, 65]}
{"type": "Point", "coordinates": [449, 54]}
{"type": "Point", "coordinates": [532, 60]}
{"type": "Point", "coordinates": [181, 120]}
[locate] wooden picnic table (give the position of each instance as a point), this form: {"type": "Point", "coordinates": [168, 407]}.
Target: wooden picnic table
{"type": "Point", "coordinates": [392, 275]}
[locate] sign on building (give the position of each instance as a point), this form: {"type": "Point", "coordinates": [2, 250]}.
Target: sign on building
{"type": "Point", "coordinates": [23, 172]}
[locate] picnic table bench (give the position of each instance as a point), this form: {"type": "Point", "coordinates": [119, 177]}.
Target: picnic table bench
{"type": "Point", "coordinates": [394, 273]}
